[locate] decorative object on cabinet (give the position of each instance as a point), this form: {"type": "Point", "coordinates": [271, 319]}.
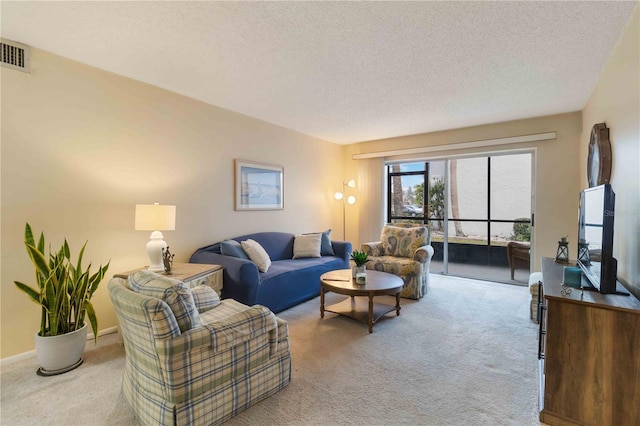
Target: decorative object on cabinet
{"type": "Point", "coordinates": [572, 276]}
{"type": "Point", "coordinates": [351, 200]}
{"type": "Point", "coordinates": [258, 186]}
{"type": "Point", "coordinates": [155, 217]}
{"type": "Point", "coordinates": [562, 255]}
{"type": "Point", "coordinates": [599, 160]}
{"type": "Point", "coordinates": [64, 293]}
{"type": "Point", "coordinates": [167, 260]}
{"type": "Point", "coordinates": [584, 256]}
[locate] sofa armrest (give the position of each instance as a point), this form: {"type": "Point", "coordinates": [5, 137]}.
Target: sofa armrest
{"type": "Point", "coordinates": [342, 249]}
{"type": "Point", "coordinates": [373, 248]}
{"type": "Point", "coordinates": [240, 276]}
{"type": "Point", "coordinates": [423, 254]}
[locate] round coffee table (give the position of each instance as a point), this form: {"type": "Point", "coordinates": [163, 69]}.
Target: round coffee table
{"type": "Point", "coordinates": [378, 284]}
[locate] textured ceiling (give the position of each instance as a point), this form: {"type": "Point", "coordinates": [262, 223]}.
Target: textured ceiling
{"type": "Point", "coordinates": [343, 71]}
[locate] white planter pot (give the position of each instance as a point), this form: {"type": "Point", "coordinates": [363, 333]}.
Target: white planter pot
{"type": "Point", "coordinates": [59, 354]}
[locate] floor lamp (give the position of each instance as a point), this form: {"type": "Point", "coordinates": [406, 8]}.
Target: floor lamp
{"type": "Point", "coordinates": [340, 195]}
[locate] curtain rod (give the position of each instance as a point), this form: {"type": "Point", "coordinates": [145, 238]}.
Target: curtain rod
{"type": "Point", "coordinates": [460, 145]}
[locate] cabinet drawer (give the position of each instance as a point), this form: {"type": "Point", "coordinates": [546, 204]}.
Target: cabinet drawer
{"type": "Point", "coordinates": [213, 280]}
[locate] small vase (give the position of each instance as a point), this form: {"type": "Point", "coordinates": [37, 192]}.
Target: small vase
{"type": "Point", "coordinates": [358, 270]}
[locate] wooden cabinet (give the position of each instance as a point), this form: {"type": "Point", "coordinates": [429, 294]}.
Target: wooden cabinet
{"type": "Point", "coordinates": [192, 274]}
{"type": "Point", "coordinates": [590, 355]}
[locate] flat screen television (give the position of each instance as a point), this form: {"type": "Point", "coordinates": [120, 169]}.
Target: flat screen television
{"type": "Point", "coordinates": [596, 214]}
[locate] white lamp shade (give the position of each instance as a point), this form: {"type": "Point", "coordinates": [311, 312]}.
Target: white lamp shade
{"type": "Point", "coordinates": [155, 217]}
{"type": "Point", "coordinates": [338, 195]}
{"type": "Point", "coordinates": [351, 199]}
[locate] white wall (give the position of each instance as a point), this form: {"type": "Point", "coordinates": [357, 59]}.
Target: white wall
{"type": "Point", "coordinates": [81, 147]}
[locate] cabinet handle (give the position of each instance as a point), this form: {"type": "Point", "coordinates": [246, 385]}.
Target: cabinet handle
{"type": "Point", "coordinates": [542, 320]}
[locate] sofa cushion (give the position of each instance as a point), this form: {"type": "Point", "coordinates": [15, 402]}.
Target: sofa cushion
{"type": "Point", "coordinates": [205, 298]}
{"type": "Point", "coordinates": [257, 254]}
{"type": "Point", "coordinates": [307, 245]}
{"type": "Point", "coordinates": [403, 242]}
{"type": "Point", "coordinates": [326, 248]}
{"type": "Point", "coordinates": [233, 248]}
{"type": "Point", "coordinates": [174, 293]}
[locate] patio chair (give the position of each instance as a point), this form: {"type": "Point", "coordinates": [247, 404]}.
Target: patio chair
{"type": "Point", "coordinates": [518, 255]}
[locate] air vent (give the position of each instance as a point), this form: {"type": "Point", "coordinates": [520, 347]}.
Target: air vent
{"type": "Point", "coordinates": [15, 55]}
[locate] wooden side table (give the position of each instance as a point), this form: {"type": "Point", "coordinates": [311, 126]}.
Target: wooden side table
{"type": "Point", "coordinates": [192, 274]}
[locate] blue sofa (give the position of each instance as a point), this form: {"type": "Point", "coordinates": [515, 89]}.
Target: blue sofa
{"type": "Point", "coordinates": [288, 281]}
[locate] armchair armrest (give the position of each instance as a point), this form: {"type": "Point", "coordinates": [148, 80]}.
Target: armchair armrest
{"type": "Point", "coordinates": [240, 327]}
{"type": "Point", "coordinates": [220, 335]}
{"type": "Point", "coordinates": [373, 248]}
{"type": "Point", "coordinates": [423, 254]}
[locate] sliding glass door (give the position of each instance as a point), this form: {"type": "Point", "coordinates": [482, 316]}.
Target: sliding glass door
{"type": "Point", "coordinates": [475, 208]}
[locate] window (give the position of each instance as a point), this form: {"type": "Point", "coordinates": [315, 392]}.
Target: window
{"type": "Point", "coordinates": [406, 193]}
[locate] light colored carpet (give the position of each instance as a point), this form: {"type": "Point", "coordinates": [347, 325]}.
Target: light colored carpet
{"type": "Point", "coordinates": [463, 355]}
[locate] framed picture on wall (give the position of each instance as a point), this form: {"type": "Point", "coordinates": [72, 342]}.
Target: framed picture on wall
{"type": "Point", "coordinates": [259, 186]}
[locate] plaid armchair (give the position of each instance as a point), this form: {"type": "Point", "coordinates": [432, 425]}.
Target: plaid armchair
{"type": "Point", "coordinates": [403, 250]}
{"type": "Point", "coordinates": [189, 366]}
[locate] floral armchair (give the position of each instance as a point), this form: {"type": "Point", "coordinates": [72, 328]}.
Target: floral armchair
{"type": "Point", "coordinates": [403, 250]}
{"type": "Point", "coordinates": [191, 358]}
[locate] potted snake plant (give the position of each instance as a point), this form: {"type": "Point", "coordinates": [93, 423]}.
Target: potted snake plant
{"type": "Point", "coordinates": [63, 291]}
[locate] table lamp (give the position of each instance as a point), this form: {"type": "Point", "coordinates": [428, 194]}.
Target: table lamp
{"type": "Point", "coordinates": [156, 218]}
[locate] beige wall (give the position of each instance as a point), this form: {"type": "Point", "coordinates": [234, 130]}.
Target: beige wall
{"type": "Point", "coordinates": [557, 168]}
{"type": "Point", "coordinates": [81, 147]}
{"type": "Point", "coordinates": [616, 102]}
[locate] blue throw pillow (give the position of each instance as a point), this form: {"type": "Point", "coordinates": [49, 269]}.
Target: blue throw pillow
{"type": "Point", "coordinates": [326, 249]}
{"type": "Point", "coordinates": [233, 248]}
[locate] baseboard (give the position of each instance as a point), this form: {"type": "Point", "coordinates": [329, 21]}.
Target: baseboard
{"type": "Point", "coordinates": [109, 330]}
{"type": "Point", "coordinates": [31, 354]}
{"type": "Point", "coordinates": [4, 362]}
